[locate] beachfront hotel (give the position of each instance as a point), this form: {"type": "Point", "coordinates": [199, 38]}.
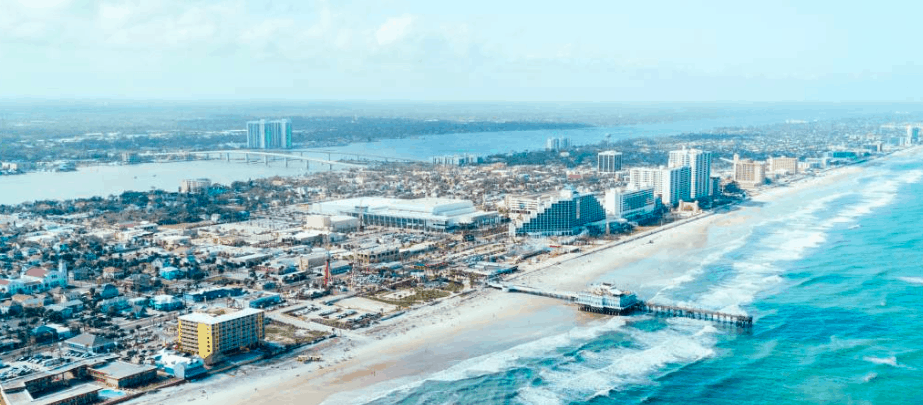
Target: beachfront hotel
{"type": "Point", "coordinates": [568, 213]}
{"type": "Point", "coordinates": [783, 165]}
{"type": "Point", "coordinates": [699, 164]}
{"type": "Point", "coordinates": [630, 203]}
{"type": "Point", "coordinates": [671, 184]}
{"type": "Point", "coordinates": [749, 173]}
{"type": "Point", "coordinates": [209, 336]}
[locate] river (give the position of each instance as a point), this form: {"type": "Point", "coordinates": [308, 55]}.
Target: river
{"type": "Point", "coordinates": [108, 180]}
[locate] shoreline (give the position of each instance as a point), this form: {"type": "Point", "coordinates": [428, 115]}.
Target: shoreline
{"type": "Point", "coordinates": [398, 350]}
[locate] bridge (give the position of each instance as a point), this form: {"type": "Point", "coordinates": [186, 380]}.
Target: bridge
{"type": "Point", "coordinates": [244, 154]}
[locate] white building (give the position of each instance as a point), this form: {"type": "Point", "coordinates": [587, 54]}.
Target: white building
{"type": "Point", "coordinates": [699, 163]}
{"type": "Point", "coordinates": [629, 203]}
{"type": "Point", "coordinates": [269, 134]}
{"type": "Point", "coordinates": [671, 184]}
{"type": "Point", "coordinates": [609, 161]}
{"type": "Point", "coordinates": [783, 165]}
{"type": "Point", "coordinates": [436, 214]}
{"type": "Point", "coordinates": [557, 143]}
{"type": "Point", "coordinates": [194, 185]}
{"type": "Point", "coordinates": [749, 173]}
{"type": "Point", "coordinates": [332, 223]}
{"type": "Point", "coordinates": [36, 279]}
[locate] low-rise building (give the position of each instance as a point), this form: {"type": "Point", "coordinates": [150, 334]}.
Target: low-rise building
{"type": "Point", "coordinates": [434, 214]}
{"type": "Point", "coordinates": [119, 374]}
{"type": "Point", "coordinates": [332, 223]}
{"type": "Point", "coordinates": [179, 366]}
{"type": "Point", "coordinates": [194, 185]}
{"type": "Point", "coordinates": [90, 343]}
{"type": "Point", "coordinates": [166, 303]}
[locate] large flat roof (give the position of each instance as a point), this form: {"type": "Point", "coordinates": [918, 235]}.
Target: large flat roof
{"type": "Point", "coordinates": [121, 369]}
{"type": "Point", "coordinates": [446, 209]}
{"type": "Point", "coordinates": [201, 317]}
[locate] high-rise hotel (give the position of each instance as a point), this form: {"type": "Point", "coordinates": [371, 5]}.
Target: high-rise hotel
{"type": "Point", "coordinates": [699, 164]}
{"type": "Point", "coordinates": [209, 336]}
{"type": "Point", "coordinates": [269, 134]}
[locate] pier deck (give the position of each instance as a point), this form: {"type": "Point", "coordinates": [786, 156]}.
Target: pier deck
{"type": "Point", "coordinates": [741, 321]}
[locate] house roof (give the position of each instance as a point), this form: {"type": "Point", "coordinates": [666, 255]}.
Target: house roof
{"type": "Point", "coordinates": [89, 340]}
{"type": "Point", "coordinates": [37, 272]}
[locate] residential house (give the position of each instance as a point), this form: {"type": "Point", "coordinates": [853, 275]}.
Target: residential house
{"type": "Point", "coordinates": [90, 343]}
{"type": "Point", "coordinates": [108, 291]}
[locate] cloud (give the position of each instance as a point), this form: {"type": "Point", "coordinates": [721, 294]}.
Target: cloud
{"type": "Point", "coordinates": [394, 29]}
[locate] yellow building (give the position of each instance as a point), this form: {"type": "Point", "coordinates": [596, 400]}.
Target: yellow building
{"type": "Point", "coordinates": [209, 336]}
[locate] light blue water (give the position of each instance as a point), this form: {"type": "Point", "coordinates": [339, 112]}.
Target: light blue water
{"type": "Point", "coordinates": [110, 393]}
{"type": "Point", "coordinates": [488, 143]}
{"type": "Point", "coordinates": [832, 274]}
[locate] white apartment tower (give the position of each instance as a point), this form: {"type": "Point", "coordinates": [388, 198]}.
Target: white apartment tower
{"type": "Point", "coordinates": [609, 161]}
{"type": "Point", "coordinates": [671, 184]}
{"type": "Point", "coordinates": [269, 134]}
{"type": "Point", "coordinates": [699, 163]}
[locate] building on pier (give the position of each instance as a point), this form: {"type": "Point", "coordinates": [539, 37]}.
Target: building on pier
{"type": "Point", "coordinates": [607, 299]}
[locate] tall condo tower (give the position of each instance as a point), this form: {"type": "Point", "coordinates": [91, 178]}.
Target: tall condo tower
{"type": "Point", "coordinates": [269, 134]}
{"type": "Point", "coordinates": [699, 163]}
{"type": "Point", "coordinates": [609, 161]}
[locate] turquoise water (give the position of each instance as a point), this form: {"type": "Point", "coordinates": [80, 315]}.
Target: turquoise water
{"type": "Point", "coordinates": [833, 276]}
{"type": "Point", "coordinates": [110, 393]}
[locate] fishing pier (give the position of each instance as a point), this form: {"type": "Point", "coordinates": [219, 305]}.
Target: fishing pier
{"type": "Point", "coordinates": [606, 299]}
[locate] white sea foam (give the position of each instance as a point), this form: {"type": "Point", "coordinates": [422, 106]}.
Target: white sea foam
{"type": "Point", "coordinates": [536, 395]}
{"type": "Point", "coordinates": [877, 194]}
{"type": "Point", "coordinates": [912, 280]}
{"type": "Point", "coordinates": [795, 234]}
{"type": "Point", "coordinates": [710, 259]}
{"type": "Point", "coordinates": [486, 364]}
{"type": "Point", "coordinates": [869, 377]}
{"type": "Point", "coordinates": [581, 381]}
{"type": "Point", "coordinates": [891, 361]}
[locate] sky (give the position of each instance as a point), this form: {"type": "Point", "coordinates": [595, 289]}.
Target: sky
{"type": "Point", "coordinates": [473, 50]}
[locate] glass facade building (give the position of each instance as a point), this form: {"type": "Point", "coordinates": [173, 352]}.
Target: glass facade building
{"type": "Point", "coordinates": [568, 215]}
{"type": "Point", "coordinates": [269, 134]}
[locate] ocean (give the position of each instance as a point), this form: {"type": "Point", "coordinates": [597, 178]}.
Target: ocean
{"type": "Point", "coordinates": [831, 274]}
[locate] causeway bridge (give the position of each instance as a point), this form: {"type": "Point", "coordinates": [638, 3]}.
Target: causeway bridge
{"type": "Point", "coordinates": [636, 306]}
{"type": "Point", "coordinates": [286, 156]}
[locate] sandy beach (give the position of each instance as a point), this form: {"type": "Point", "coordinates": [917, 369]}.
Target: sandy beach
{"type": "Point", "coordinates": [433, 338]}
